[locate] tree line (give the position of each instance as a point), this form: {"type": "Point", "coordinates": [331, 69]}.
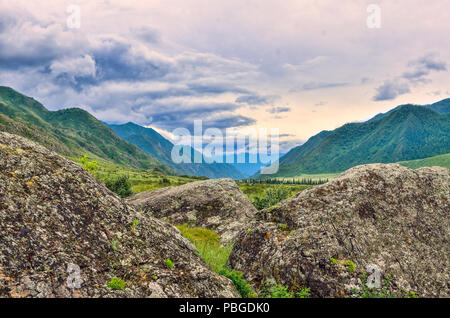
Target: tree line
{"type": "Point", "coordinates": [306, 181]}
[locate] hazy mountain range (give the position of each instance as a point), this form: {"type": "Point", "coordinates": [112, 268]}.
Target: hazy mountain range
{"type": "Point", "coordinates": [160, 148]}
{"type": "Point", "coordinates": [407, 132]}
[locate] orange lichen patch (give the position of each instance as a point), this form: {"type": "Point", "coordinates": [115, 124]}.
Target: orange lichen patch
{"type": "Point", "coordinates": [16, 293]}
{"type": "Point", "coordinates": [19, 150]}
{"type": "Point", "coordinates": [31, 182]}
{"type": "Point", "coordinates": [4, 277]}
{"type": "Point", "coordinates": [76, 293]}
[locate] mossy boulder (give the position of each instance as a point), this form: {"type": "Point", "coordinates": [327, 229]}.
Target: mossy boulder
{"type": "Point", "coordinates": [57, 222]}
{"type": "Point", "coordinates": [379, 214]}
{"type": "Point", "coordinates": [216, 204]}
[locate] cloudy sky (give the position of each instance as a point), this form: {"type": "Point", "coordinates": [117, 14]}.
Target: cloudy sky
{"type": "Point", "coordinates": [301, 66]}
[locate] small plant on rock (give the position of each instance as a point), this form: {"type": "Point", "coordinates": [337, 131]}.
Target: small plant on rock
{"type": "Point", "coordinates": [169, 263]}
{"type": "Point", "coordinates": [116, 284]}
{"type": "Point", "coordinates": [90, 166]}
{"type": "Point", "coordinates": [350, 266]}
{"type": "Point", "coordinates": [239, 282]}
{"type": "Point", "coordinates": [120, 185]}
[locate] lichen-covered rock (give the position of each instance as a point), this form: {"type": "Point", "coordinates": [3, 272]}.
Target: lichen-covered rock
{"type": "Point", "coordinates": [325, 237]}
{"type": "Point", "coordinates": [61, 229]}
{"type": "Point", "coordinates": [216, 204]}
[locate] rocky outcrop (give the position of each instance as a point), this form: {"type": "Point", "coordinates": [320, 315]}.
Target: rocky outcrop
{"type": "Point", "coordinates": [216, 204]}
{"type": "Point", "coordinates": [328, 236]}
{"type": "Point", "coordinates": [64, 234]}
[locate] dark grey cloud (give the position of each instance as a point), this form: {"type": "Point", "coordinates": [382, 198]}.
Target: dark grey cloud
{"type": "Point", "coordinates": [319, 85]}
{"type": "Point", "coordinates": [215, 89]}
{"type": "Point", "coordinates": [27, 42]}
{"type": "Point", "coordinates": [423, 67]}
{"type": "Point", "coordinates": [278, 110]}
{"type": "Point", "coordinates": [431, 62]}
{"type": "Point", "coordinates": [390, 90]}
{"type": "Point", "coordinates": [120, 79]}
{"type": "Point", "coordinates": [172, 121]}
{"type": "Point", "coordinates": [117, 60]}
{"type": "Point", "coordinates": [257, 99]}
{"type": "Point", "coordinates": [416, 74]}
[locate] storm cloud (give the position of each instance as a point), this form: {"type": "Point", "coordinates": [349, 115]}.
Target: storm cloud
{"type": "Point", "coordinates": [230, 63]}
{"type": "Point", "coordinates": [390, 90]}
{"type": "Point", "coordinates": [417, 73]}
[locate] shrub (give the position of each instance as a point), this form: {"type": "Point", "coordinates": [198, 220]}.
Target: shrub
{"type": "Point", "coordinates": [303, 293]}
{"type": "Point", "coordinates": [169, 263]}
{"type": "Point", "coordinates": [116, 284]}
{"type": "Point", "coordinates": [120, 185]}
{"type": "Point", "coordinates": [280, 291]}
{"type": "Point", "coordinates": [90, 166]}
{"type": "Point", "coordinates": [366, 292]}
{"type": "Point", "coordinates": [270, 197]}
{"type": "Point", "coordinates": [242, 286]}
{"type": "Point", "coordinates": [350, 266]}
{"type": "Point", "coordinates": [164, 180]}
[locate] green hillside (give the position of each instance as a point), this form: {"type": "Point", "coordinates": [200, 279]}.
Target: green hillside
{"type": "Point", "coordinates": [440, 161]}
{"type": "Point", "coordinates": [70, 132]}
{"type": "Point", "coordinates": [406, 133]}
{"type": "Point", "coordinates": [160, 148]}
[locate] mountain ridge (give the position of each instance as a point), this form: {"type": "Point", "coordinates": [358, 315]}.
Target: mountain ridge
{"type": "Point", "coordinates": [71, 132]}
{"type": "Point", "coordinates": [407, 132]}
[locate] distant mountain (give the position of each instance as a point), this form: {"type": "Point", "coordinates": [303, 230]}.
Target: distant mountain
{"type": "Point", "coordinates": [71, 132]}
{"type": "Point", "coordinates": [160, 148]}
{"type": "Point", "coordinates": [247, 167]}
{"type": "Point", "coordinates": [442, 107]}
{"type": "Point", "coordinates": [407, 132]}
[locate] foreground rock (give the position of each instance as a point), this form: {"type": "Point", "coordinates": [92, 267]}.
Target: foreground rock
{"type": "Point", "coordinates": [383, 215]}
{"type": "Point", "coordinates": [56, 219]}
{"type": "Point", "coordinates": [217, 204]}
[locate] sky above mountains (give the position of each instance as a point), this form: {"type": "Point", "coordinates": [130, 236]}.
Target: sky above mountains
{"type": "Point", "coordinates": [300, 66]}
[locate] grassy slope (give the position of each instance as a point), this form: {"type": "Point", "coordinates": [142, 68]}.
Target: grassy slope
{"type": "Point", "coordinates": [142, 180]}
{"type": "Point", "coordinates": [69, 132]}
{"type": "Point", "coordinates": [441, 161]}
